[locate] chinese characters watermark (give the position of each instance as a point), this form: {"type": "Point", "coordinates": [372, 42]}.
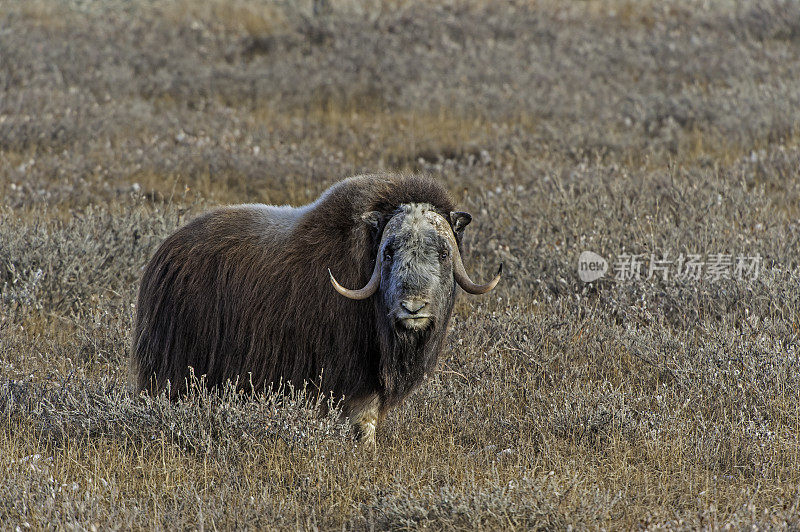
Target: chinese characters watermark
{"type": "Point", "coordinates": [683, 267]}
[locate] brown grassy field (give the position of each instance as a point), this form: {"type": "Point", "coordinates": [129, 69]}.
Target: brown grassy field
{"type": "Point", "coordinates": [615, 126]}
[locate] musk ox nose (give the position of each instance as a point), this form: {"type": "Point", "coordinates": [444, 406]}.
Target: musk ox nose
{"type": "Point", "coordinates": [413, 305]}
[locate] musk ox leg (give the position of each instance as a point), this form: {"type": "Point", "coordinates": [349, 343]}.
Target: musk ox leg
{"type": "Point", "coordinates": [364, 414]}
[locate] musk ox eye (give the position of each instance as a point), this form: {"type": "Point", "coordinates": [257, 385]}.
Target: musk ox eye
{"type": "Point", "coordinates": [443, 255]}
{"type": "Point", "coordinates": [387, 253]}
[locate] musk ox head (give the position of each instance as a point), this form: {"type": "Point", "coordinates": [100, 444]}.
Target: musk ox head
{"type": "Point", "coordinates": [417, 266]}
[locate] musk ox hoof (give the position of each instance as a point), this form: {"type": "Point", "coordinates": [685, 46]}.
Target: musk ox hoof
{"type": "Point", "coordinates": [364, 416]}
{"type": "Point", "coordinates": [365, 434]}
{"type": "Point", "coordinates": [368, 442]}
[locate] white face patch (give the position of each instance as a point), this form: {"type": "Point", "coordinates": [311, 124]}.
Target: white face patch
{"type": "Point", "coordinates": [417, 285]}
{"type": "Point", "coordinates": [416, 218]}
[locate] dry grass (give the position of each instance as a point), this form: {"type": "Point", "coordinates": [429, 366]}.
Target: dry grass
{"type": "Point", "coordinates": [613, 126]}
{"type": "Point", "coordinates": [242, 16]}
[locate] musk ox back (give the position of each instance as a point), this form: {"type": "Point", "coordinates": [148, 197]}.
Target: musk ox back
{"type": "Point", "coordinates": [248, 293]}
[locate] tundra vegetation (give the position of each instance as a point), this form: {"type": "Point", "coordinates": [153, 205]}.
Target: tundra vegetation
{"type": "Point", "coordinates": [614, 126]}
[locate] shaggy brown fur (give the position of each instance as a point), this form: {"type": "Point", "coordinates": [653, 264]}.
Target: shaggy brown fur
{"type": "Point", "coordinates": [243, 292]}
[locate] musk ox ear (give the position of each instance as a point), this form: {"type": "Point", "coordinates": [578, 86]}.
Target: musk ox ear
{"type": "Point", "coordinates": [374, 219]}
{"type": "Point", "coordinates": [459, 220]}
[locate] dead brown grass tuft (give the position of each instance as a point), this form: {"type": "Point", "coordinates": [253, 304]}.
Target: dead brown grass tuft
{"type": "Point", "coordinates": [259, 19]}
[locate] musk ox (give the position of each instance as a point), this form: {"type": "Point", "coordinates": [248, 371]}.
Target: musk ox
{"type": "Point", "coordinates": [248, 293]}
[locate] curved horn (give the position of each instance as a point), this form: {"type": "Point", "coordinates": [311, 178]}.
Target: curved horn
{"type": "Point", "coordinates": [374, 281]}
{"type": "Point", "coordinates": [466, 283]}
{"type": "Point", "coordinates": [363, 293]}
{"type": "Point", "coordinates": [460, 273]}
